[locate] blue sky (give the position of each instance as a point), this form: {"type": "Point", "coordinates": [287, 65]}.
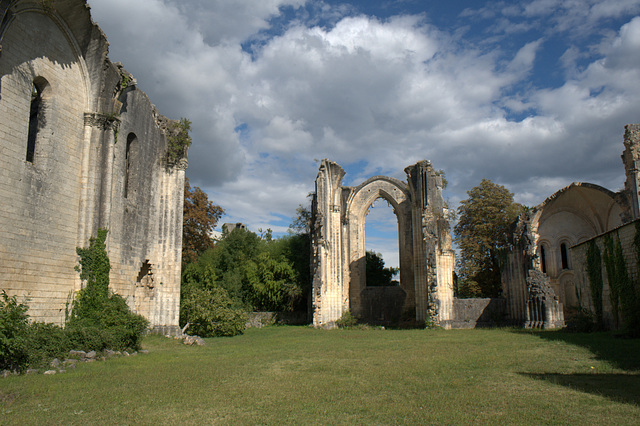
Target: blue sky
{"type": "Point", "coordinates": [533, 95]}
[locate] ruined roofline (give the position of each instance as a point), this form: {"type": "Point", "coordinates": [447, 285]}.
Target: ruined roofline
{"type": "Point", "coordinates": [556, 194]}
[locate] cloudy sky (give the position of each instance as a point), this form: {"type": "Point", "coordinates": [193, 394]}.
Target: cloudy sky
{"type": "Point", "coordinates": [533, 95]}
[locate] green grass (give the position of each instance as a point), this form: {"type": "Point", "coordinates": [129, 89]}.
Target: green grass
{"type": "Point", "coordinates": [299, 375]}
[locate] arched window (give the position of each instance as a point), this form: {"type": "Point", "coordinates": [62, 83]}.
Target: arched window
{"type": "Point", "coordinates": [543, 260]}
{"type": "Point", "coordinates": [131, 160]}
{"type": "Point", "coordinates": [36, 116]}
{"type": "Point", "coordinates": [564, 256]}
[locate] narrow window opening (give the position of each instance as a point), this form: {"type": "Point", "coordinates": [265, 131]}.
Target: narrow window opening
{"type": "Point", "coordinates": [34, 119]}
{"type": "Point", "coordinates": [564, 256]}
{"type": "Point", "coordinates": [130, 159]}
{"type": "Point", "coordinates": [543, 260]}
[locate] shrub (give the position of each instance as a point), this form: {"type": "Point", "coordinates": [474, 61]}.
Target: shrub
{"type": "Point", "coordinates": [347, 320]}
{"type": "Point", "coordinates": [115, 327]}
{"type": "Point", "coordinates": [14, 323]}
{"type": "Point", "coordinates": [45, 342]}
{"type": "Point", "coordinates": [210, 312]}
{"type": "Point", "coordinates": [582, 321]}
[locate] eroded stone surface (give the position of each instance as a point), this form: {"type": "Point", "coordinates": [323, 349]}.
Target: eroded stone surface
{"type": "Point", "coordinates": [338, 246]}
{"type": "Point", "coordinates": [82, 148]}
{"type": "Point", "coordinates": [551, 240]}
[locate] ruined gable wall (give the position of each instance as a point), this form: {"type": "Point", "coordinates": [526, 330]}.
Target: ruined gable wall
{"type": "Point", "coordinates": [40, 199]}
{"type": "Point", "coordinates": [146, 221]}
{"type": "Point", "coordinates": [426, 257]}
{"type": "Point", "coordinates": [75, 183]}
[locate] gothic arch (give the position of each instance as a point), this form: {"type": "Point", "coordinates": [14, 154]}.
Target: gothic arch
{"type": "Point", "coordinates": [426, 258]}
{"type": "Point", "coordinates": [357, 206]}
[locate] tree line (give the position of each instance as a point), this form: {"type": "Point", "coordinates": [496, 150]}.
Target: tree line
{"type": "Point", "coordinates": [244, 271]}
{"type": "Point", "coordinates": [241, 272]}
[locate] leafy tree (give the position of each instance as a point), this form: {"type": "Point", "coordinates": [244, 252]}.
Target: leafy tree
{"type": "Point", "coordinates": [200, 216]}
{"type": "Point", "coordinates": [377, 274]}
{"type": "Point", "coordinates": [271, 283]}
{"type": "Point", "coordinates": [482, 232]}
{"type": "Point", "coordinates": [302, 222]}
{"type": "Point", "coordinates": [298, 251]}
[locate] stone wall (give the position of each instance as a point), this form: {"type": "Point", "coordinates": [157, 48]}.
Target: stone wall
{"type": "Point", "coordinates": [88, 111]}
{"type": "Point", "coordinates": [338, 245]}
{"type": "Point", "coordinates": [478, 313]}
{"type": "Point", "coordinates": [626, 233]}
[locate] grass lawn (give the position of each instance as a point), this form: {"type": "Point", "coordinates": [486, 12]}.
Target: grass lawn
{"type": "Point", "coordinates": [299, 375]}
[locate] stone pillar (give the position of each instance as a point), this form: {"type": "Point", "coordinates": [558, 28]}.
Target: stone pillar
{"type": "Point", "coordinates": [631, 161]}
{"type": "Point", "coordinates": [328, 281]}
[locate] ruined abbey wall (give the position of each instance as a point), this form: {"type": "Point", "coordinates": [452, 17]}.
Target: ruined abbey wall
{"type": "Point", "coordinates": [82, 148]}
{"type": "Point", "coordinates": [552, 239]}
{"type": "Point", "coordinates": [338, 244]}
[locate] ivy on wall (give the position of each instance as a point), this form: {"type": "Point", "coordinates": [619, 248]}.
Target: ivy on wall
{"type": "Point", "coordinates": [623, 294]}
{"type": "Point", "coordinates": [616, 273]}
{"type": "Point", "coordinates": [594, 271]}
{"type": "Point", "coordinates": [179, 140]}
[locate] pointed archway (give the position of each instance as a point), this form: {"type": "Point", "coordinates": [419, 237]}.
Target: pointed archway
{"type": "Point", "coordinates": [425, 255]}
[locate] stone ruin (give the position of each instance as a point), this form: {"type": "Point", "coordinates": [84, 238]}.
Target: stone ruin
{"type": "Point", "coordinates": [82, 148]}
{"type": "Point", "coordinates": [338, 247]}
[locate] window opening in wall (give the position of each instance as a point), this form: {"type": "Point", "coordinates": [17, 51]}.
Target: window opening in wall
{"type": "Point", "coordinates": [543, 260]}
{"type": "Point", "coordinates": [381, 241]}
{"type": "Point", "coordinates": [35, 114]}
{"type": "Point", "coordinates": [145, 276]}
{"type": "Point", "coordinates": [564, 256]}
{"type": "Point", "coordinates": [130, 154]}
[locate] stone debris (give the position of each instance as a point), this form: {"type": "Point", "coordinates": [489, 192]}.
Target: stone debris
{"type": "Point", "coordinates": [76, 357]}
{"type": "Point", "coordinates": [77, 354]}
{"type": "Point", "coordinates": [193, 340]}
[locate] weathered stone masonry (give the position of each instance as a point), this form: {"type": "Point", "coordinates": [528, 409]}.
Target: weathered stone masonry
{"type": "Point", "coordinates": [81, 148]}
{"type": "Point", "coordinates": [550, 242]}
{"type": "Point", "coordinates": [338, 258]}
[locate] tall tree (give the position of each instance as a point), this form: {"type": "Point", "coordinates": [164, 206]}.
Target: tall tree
{"type": "Point", "coordinates": [200, 216]}
{"type": "Point", "coordinates": [377, 274]}
{"type": "Point", "coordinates": [485, 219]}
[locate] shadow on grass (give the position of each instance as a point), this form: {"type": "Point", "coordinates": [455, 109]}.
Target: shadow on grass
{"type": "Point", "coordinates": [618, 351]}
{"type": "Point", "coordinates": [617, 387]}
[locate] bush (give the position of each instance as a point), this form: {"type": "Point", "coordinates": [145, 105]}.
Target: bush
{"type": "Point", "coordinates": [114, 327]}
{"type": "Point", "coordinates": [582, 321]}
{"type": "Point", "coordinates": [347, 320]}
{"type": "Point", "coordinates": [45, 342]}
{"type": "Point", "coordinates": [210, 312]}
{"type": "Point", "coordinates": [14, 323]}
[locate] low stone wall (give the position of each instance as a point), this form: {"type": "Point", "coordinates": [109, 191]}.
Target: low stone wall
{"type": "Point", "coordinates": [478, 313]}
{"type": "Point", "coordinates": [262, 319]}
{"type": "Point", "coordinates": [382, 305]}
